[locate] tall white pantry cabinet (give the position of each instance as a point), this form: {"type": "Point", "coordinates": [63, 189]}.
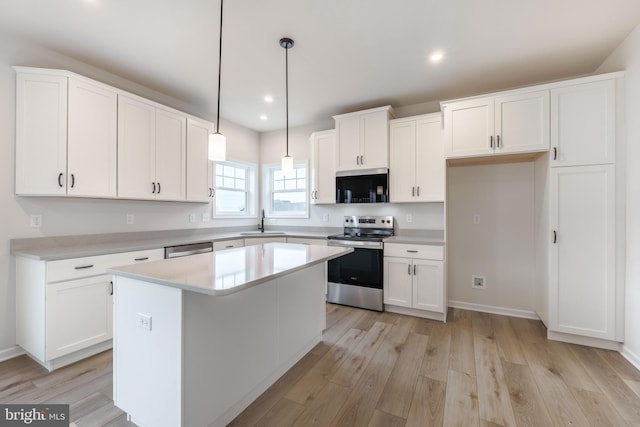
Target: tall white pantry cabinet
{"type": "Point", "coordinates": [580, 222]}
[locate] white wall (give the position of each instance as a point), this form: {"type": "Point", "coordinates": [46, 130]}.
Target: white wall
{"type": "Point", "coordinates": [627, 57]}
{"type": "Point", "coordinates": [501, 247]}
{"type": "Point", "coordinates": [75, 216]}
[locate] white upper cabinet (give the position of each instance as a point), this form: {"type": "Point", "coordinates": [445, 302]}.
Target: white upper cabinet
{"type": "Point", "coordinates": [199, 184]}
{"type": "Point", "coordinates": [91, 140]}
{"type": "Point", "coordinates": [503, 124]}
{"type": "Point", "coordinates": [323, 164]}
{"type": "Point", "coordinates": [417, 165]}
{"type": "Point", "coordinates": [362, 139]}
{"type": "Point", "coordinates": [151, 151]}
{"type": "Point", "coordinates": [583, 124]}
{"type": "Point", "coordinates": [65, 135]}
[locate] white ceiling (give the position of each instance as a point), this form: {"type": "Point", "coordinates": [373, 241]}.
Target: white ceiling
{"type": "Point", "coordinates": [348, 54]}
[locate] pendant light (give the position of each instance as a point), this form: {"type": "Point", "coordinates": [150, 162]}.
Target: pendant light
{"type": "Point", "coordinates": [287, 160]}
{"type": "Point", "coordinates": [217, 141]}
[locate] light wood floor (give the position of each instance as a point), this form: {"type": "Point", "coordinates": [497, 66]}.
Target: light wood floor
{"type": "Point", "coordinates": [383, 369]}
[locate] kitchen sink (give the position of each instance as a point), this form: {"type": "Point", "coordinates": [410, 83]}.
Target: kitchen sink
{"type": "Point", "coordinates": [258, 233]}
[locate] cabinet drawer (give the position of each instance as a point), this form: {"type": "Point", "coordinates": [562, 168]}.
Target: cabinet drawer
{"type": "Point", "coordinates": [228, 244]}
{"type": "Point", "coordinates": [75, 268]}
{"type": "Point", "coordinates": [414, 251]}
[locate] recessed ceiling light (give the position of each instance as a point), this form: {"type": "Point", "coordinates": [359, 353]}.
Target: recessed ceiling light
{"type": "Point", "coordinates": [436, 57]}
{"type": "Point", "coordinates": [263, 117]}
{"type": "Point", "coordinates": [268, 98]}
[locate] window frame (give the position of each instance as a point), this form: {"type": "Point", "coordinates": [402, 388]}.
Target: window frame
{"type": "Point", "coordinates": [267, 191]}
{"type": "Point", "coordinates": [250, 189]}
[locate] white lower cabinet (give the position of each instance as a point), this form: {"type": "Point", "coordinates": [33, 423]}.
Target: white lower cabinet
{"type": "Point", "coordinates": [262, 240]}
{"type": "Point", "coordinates": [414, 280]}
{"type": "Point", "coordinates": [64, 308]}
{"type": "Point", "coordinates": [228, 244]}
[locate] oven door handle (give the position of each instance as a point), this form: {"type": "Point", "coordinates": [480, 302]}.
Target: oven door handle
{"type": "Point", "coordinates": [356, 244]}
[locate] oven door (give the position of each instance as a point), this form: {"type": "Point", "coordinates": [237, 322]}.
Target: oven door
{"type": "Point", "coordinates": [362, 267]}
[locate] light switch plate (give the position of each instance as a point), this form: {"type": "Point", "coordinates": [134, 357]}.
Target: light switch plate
{"type": "Point", "coordinates": [35, 221]}
{"type": "Point", "coordinates": [144, 321]}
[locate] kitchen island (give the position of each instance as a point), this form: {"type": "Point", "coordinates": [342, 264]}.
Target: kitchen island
{"type": "Point", "coordinates": [198, 338]}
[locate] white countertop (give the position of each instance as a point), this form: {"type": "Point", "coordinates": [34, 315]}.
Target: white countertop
{"type": "Point", "coordinates": [230, 271]}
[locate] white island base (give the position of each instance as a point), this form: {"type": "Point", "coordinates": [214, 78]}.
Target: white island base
{"type": "Point", "coordinates": [201, 359]}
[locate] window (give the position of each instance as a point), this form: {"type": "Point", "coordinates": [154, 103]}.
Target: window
{"type": "Point", "coordinates": [235, 189]}
{"type": "Point", "coordinates": [286, 196]}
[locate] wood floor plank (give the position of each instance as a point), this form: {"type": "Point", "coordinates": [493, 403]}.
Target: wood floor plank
{"type": "Point", "coordinates": [402, 326]}
{"type": "Point", "coordinates": [597, 408]}
{"type": "Point", "coordinates": [633, 385]}
{"type": "Point", "coordinates": [562, 406]}
{"type": "Point", "coordinates": [361, 403]}
{"type": "Point", "coordinates": [399, 390]}
{"type": "Point", "coordinates": [613, 387]}
{"type": "Point", "coordinates": [100, 417]}
{"type": "Point", "coordinates": [333, 334]}
{"type": "Point", "coordinates": [461, 351]}
{"type": "Point", "coordinates": [482, 325]}
{"type": "Point", "coordinates": [494, 402]}
{"type": "Point", "coordinates": [565, 363]}
{"type": "Point", "coordinates": [277, 391]}
{"type": "Point", "coordinates": [382, 419]}
{"type": "Point", "coordinates": [622, 366]}
{"type": "Point", "coordinates": [427, 406]}
{"type": "Point", "coordinates": [283, 413]}
{"type": "Point", "coordinates": [121, 421]}
{"type": "Point", "coordinates": [435, 364]}
{"type": "Point", "coordinates": [461, 401]}
{"type": "Point", "coordinates": [507, 341]}
{"type": "Point", "coordinates": [316, 378]}
{"type": "Point", "coordinates": [88, 405]}
{"type": "Point", "coordinates": [355, 362]}
{"type": "Point", "coordinates": [423, 326]}
{"type": "Point", "coordinates": [324, 408]}
{"type": "Point", "coordinates": [527, 403]}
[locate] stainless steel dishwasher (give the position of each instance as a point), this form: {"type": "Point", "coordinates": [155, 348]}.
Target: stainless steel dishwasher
{"type": "Point", "coordinates": [188, 249]}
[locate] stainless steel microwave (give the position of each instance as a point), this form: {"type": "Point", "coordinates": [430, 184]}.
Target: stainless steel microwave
{"type": "Point", "coordinates": [362, 186]}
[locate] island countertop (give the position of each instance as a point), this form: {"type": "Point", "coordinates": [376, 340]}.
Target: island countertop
{"type": "Point", "coordinates": [230, 271]}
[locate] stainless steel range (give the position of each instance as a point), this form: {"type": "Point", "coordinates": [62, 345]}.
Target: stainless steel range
{"type": "Point", "coordinates": [356, 279]}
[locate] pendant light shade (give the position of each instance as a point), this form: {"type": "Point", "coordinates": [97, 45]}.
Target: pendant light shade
{"type": "Point", "coordinates": [217, 141]}
{"type": "Point", "coordinates": [287, 160]}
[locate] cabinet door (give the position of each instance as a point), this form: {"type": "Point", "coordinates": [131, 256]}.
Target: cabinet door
{"type": "Point", "coordinates": [469, 128]}
{"type": "Point", "coordinates": [402, 170]}
{"type": "Point", "coordinates": [78, 314]}
{"type": "Point", "coordinates": [198, 182]}
{"type": "Point", "coordinates": [397, 281]}
{"type": "Point", "coordinates": [582, 297]}
{"type": "Point", "coordinates": [428, 285]}
{"type": "Point", "coordinates": [136, 148]}
{"type": "Point", "coordinates": [374, 131]}
{"type": "Point", "coordinates": [323, 176]}
{"type": "Point", "coordinates": [522, 123]}
{"type": "Point", "coordinates": [171, 155]}
{"type": "Point", "coordinates": [41, 134]}
{"type": "Point", "coordinates": [429, 160]}
{"type": "Point", "coordinates": [91, 143]}
{"type": "Point", "coordinates": [348, 143]}
{"type": "Point", "coordinates": [583, 124]}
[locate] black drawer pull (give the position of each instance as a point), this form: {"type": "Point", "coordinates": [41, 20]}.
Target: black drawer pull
{"type": "Point", "coordinates": [84, 267]}
{"type": "Point", "coordinates": [228, 246]}
{"type": "Point", "coordinates": [411, 251]}
{"type": "Point", "coordinates": [60, 180]}
{"type": "Point", "coordinates": [141, 259]}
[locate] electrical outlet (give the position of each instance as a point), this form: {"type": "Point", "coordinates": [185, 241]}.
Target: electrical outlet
{"type": "Point", "coordinates": [206, 217]}
{"type": "Point", "coordinates": [476, 219]}
{"type": "Point", "coordinates": [130, 219]}
{"type": "Point", "coordinates": [192, 218]}
{"type": "Point", "coordinates": [409, 218]}
{"type": "Point", "coordinates": [325, 217]}
{"type": "Point", "coordinates": [144, 321]}
{"type": "Point", "coordinates": [478, 282]}
{"type": "Point", "coordinates": [35, 221]}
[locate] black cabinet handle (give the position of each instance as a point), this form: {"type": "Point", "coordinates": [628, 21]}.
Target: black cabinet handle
{"type": "Point", "coordinates": [60, 180]}
{"type": "Point", "coordinates": [555, 236]}
{"type": "Point", "coordinates": [413, 191]}
{"type": "Point", "coordinates": [497, 141]}
{"type": "Point", "coordinates": [418, 191]}
{"type": "Point", "coordinates": [111, 291]}
{"type": "Point", "coordinates": [73, 180]}
{"type": "Point", "coordinates": [414, 269]}
{"type": "Point", "coordinates": [491, 141]}
{"type": "Point", "coordinates": [409, 269]}
{"type": "Point", "coordinates": [411, 251]}
{"type": "Point", "coordinates": [555, 153]}
{"type": "Point", "coordinates": [141, 259]}
{"type": "Point", "coordinates": [84, 267]}
{"type": "Point", "coordinates": [159, 188]}
{"type": "Point", "coordinates": [213, 192]}
{"type": "Point", "coordinates": [154, 188]}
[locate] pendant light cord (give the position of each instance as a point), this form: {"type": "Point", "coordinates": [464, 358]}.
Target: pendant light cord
{"type": "Point", "coordinates": [286, 73]}
{"type": "Point", "coordinates": [219, 69]}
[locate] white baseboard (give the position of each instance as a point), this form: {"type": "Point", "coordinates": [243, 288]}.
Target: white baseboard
{"type": "Point", "coordinates": [632, 357]}
{"type": "Point", "coordinates": [526, 314]}
{"type": "Point", "coordinates": [10, 353]}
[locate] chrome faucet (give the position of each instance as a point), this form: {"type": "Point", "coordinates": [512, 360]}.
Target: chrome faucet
{"type": "Point", "coordinates": [261, 225]}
